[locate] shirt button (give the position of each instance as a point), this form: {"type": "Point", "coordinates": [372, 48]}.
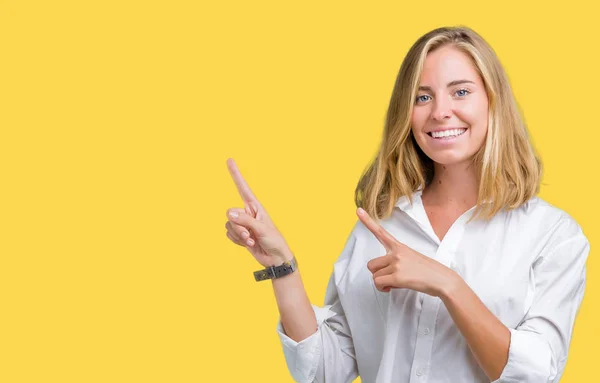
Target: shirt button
{"type": "Point", "coordinates": [426, 331]}
{"type": "Point", "coordinates": [420, 372]}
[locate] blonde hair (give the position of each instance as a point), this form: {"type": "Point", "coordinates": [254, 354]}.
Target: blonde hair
{"type": "Point", "coordinates": [508, 168]}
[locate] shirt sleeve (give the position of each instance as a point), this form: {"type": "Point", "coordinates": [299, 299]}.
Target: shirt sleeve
{"type": "Point", "coordinates": [540, 343]}
{"type": "Point", "coordinates": [327, 356]}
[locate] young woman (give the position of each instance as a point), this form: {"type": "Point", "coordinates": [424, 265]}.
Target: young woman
{"type": "Point", "coordinates": [455, 270]}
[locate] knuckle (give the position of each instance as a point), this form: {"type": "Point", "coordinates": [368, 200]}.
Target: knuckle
{"type": "Point", "coordinates": [230, 235]}
{"type": "Point", "coordinates": [241, 231]}
{"type": "Point", "coordinates": [377, 284]}
{"type": "Point", "coordinates": [231, 238]}
{"type": "Point", "coordinates": [236, 240]}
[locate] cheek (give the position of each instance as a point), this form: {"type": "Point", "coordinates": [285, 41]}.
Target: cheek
{"type": "Point", "coordinates": [418, 118]}
{"type": "Point", "coordinates": [476, 115]}
{"type": "Point", "coordinates": [482, 112]}
{"type": "Point", "coordinates": [482, 119]}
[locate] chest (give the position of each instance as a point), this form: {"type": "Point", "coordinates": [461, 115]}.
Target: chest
{"type": "Point", "coordinates": [442, 219]}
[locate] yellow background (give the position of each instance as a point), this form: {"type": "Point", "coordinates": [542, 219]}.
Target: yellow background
{"type": "Point", "coordinates": [117, 118]}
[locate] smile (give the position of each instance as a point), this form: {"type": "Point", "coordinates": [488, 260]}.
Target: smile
{"type": "Point", "coordinates": [447, 134]}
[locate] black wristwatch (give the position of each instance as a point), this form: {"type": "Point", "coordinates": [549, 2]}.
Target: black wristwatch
{"type": "Point", "coordinates": [275, 272]}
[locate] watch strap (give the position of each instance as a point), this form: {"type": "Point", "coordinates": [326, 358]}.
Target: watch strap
{"type": "Point", "coordinates": [274, 272]}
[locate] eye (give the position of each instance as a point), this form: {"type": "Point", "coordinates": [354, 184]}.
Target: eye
{"type": "Point", "coordinates": [463, 92]}
{"type": "Point", "coordinates": [419, 98]}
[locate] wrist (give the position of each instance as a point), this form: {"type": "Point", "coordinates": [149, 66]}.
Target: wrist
{"type": "Point", "coordinates": [281, 259]}
{"type": "Point", "coordinates": [451, 286]}
{"type": "Point", "coordinates": [275, 272]}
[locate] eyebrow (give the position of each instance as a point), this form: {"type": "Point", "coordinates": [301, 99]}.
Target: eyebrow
{"type": "Point", "coordinates": [451, 83]}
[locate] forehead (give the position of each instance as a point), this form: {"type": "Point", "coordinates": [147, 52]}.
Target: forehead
{"type": "Point", "coordinates": [446, 64]}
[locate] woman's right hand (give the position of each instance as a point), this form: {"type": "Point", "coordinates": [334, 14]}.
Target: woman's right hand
{"type": "Point", "coordinates": [253, 228]}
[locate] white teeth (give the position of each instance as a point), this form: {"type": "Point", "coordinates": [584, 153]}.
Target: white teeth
{"type": "Point", "coordinates": [448, 133]}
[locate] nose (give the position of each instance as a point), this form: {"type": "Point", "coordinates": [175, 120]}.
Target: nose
{"type": "Point", "coordinates": [442, 109]}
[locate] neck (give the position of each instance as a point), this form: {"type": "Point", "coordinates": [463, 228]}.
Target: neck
{"type": "Point", "coordinates": [453, 186]}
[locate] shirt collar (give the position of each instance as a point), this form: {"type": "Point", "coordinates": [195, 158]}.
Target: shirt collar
{"type": "Point", "coordinates": [403, 202]}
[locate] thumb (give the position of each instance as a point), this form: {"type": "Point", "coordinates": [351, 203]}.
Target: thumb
{"type": "Point", "coordinates": [249, 222]}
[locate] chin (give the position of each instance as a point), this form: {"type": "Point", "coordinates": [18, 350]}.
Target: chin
{"type": "Point", "coordinates": [450, 158]}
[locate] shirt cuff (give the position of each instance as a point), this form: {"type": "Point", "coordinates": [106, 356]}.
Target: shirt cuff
{"type": "Point", "coordinates": [303, 357]}
{"type": "Point", "coordinates": [529, 359]}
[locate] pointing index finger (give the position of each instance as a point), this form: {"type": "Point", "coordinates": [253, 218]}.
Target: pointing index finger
{"type": "Point", "coordinates": [240, 183]}
{"type": "Point", "coordinates": [386, 239]}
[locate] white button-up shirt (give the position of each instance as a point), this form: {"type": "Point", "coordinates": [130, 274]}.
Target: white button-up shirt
{"type": "Point", "coordinates": [526, 265]}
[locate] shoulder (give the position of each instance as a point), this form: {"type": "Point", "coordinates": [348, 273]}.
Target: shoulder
{"type": "Point", "coordinates": [544, 215]}
{"type": "Point", "coordinates": [556, 227]}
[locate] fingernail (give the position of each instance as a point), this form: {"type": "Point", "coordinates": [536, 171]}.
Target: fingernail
{"type": "Point", "coordinates": [250, 242]}
{"type": "Point", "coordinates": [233, 214]}
{"type": "Point", "coordinates": [245, 235]}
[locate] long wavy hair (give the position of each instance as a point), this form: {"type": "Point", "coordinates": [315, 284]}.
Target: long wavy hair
{"type": "Point", "coordinates": [509, 170]}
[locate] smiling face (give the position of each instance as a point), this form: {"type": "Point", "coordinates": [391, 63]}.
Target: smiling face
{"type": "Point", "coordinates": [450, 115]}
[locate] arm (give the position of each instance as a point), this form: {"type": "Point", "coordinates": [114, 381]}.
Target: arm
{"type": "Point", "coordinates": [295, 311]}
{"type": "Point", "coordinates": [487, 337]}
{"type": "Point", "coordinates": [326, 355]}
{"type": "Point", "coordinates": [537, 349]}
{"type": "Point", "coordinates": [316, 340]}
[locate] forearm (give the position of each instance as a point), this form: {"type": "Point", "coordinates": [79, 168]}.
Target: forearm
{"type": "Point", "coordinates": [296, 313]}
{"type": "Point", "coordinates": [487, 337]}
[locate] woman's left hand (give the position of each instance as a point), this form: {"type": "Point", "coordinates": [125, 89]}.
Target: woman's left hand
{"type": "Point", "coordinates": [402, 267]}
